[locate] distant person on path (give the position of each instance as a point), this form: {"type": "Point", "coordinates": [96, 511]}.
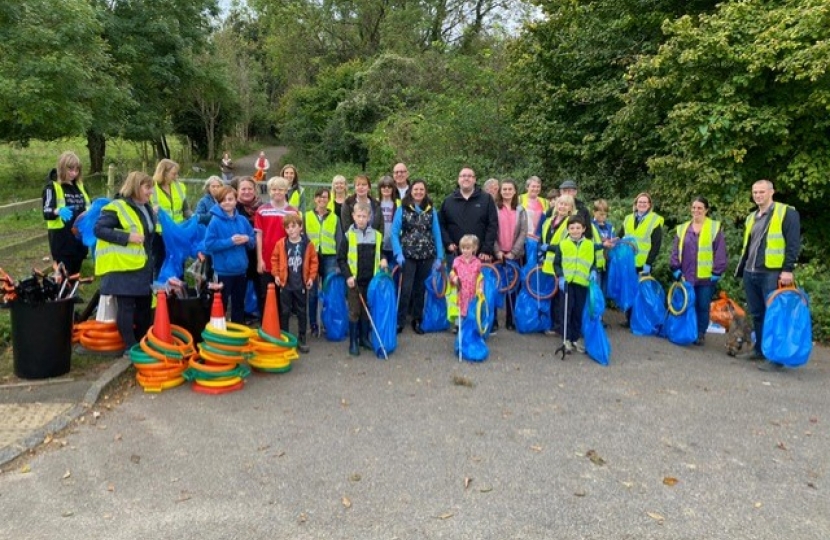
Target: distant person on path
{"type": "Point", "coordinates": [401, 175]}
{"type": "Point", "coordinates": [261, 166]}
{"type": "Point", "coordinates": [416, 243]}
{"type": "Point", "coordinates": [170, 195]}
{"type": "Point", "coordinates": [296, 194]}
{"type": "Point", "coordinates": [64, 199]}
{"type": "Point", "coordinates": [469, 210]}
{"type": "Point", "coordinates": [228, 239]}
{"type": "Point", "coordinates": [699, 255]}
{"type": "Point", "coordinates": [124, 255]}
{"type": "Point", "coordinates": [226, 166]}
{"type": "Point", "coordinates": [772, 242]}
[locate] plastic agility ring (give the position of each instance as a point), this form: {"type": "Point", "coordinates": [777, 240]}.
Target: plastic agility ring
{"type": "Point", "coordinates": [288, 341]}
{"type": "Point", "coordinates": [511, 282]}
{"type": "Point", "coordinates": [481, 321]}
{"type": "Point", "coordinates": [440, 292]}
{"type": "Point", "coordinates": [670, 295]}
{"type": "Point", "coordinates": [198, 387]}
{"type": "Point", "coordinates": [530, 290]}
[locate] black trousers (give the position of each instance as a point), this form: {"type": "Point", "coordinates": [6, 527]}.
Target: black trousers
{"type": "Point", "coordinates": [411, 302]}
{"type": "Point", "coordinates": [133, 317]}
{"type": "Point", "coordinates": [294, 302]}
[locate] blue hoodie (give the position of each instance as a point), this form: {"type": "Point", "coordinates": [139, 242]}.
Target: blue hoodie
{"type": "Point", "coordinates": [228, 258]}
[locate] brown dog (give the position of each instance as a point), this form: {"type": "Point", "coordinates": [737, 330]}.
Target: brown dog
{"type": "Point", "coordinates": [739, 333]}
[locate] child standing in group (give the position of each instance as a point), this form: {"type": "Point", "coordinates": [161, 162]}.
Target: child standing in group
{"type": "Point", "coordinates": [574, 264]}
{"type": "Point", "coordinates": [323, 228]}
{"type": "Point", "coordinates": [604, 234]}
{"type": "Point", "coordinates": [359, 258]}
{"type": "Point", "coordinates": [295, 266]}
{"type": "Point", "coordinates": [466, 270]}
{"type": "Point", "coordinates": [229, 236]}
{"type": "Point", "coordinates": [268, 224]}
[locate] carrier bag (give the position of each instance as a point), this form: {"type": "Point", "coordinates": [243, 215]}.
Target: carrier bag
{"type": "Point", "coordinates": [622, 273]}
{"type": "Point", "coordinates": [335, 312]}
{"type": "Point", "coordinates": [435, 305]}
{"type": "Point", "coordinates": [680, 326]}
{"type": "Point", "coordinates": [649, 309]}
{"type": "Point", "coordinates": [381, 297]}
{"type": "Point", "coordinates": [788, 327]}
{"type": "Point", "coordinates": [532, 311]}
{"type": "Point", "coordinates": [469, 343]}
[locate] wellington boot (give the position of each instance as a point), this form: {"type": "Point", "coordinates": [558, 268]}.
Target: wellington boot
{"type": "Point", "coordinates": [365, 341]}
{"type": "Point", "coordinates": [354, 348]}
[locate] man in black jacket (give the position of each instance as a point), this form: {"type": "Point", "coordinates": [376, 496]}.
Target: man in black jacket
{"type": "Point", "coordinates": [469, 210]}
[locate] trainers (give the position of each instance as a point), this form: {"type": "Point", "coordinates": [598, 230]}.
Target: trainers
{"type": "Point", "coordinates": [751, 356]}
{"type": "Point", "coordinates": [771, 367]}
{"type": "Point", "coordinates": [315, 330]}
{"type": "Point", "coordinates": [301, 344]}
{"type": "Point", "coordinates": [553, 333]}
{"type": "Point", "coordinates": [569, 346]}
{"type": "Point", "coordinates": [579, 345]}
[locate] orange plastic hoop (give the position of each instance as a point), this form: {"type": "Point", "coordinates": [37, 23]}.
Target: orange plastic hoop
{"type": "Point", "coordinates": [533, 270]}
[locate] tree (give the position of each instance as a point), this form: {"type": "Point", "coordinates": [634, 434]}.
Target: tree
{"type": "Point", "coordinates": [735, 96]}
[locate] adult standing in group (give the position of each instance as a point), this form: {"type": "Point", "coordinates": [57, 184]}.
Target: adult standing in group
{"type": "Point", "coordinates": [469, 210]}
{"type": "Point", "coordinates": [339, 194]}
{"type": "Point", "coordinates": [510, 243]}
{"type": "Point", "coordinates": [247, 203]}
{"type": "Point", "coordinates": [296, 194]}
{"type": "Point", "coordinates": [772, 241]}
{"type": "Point", "coordinates": [226, 166]}
{"type": "Point", "coordinates": [124, 255]}
{"type": "Point", "coordinates": [362, 194]}
{"type": "Point", "coordinates": [491, 187]}
{"type": "Point", "coordinates": [417, 245]}
{"type": "Point", "coordinates": [699, 256]}
{"type": "Point", "coordinates": [551, 233]}
{"type": "Point", "coordinates": [322, 226]}
{"type": "Point", "coordinates": [646, 227]}
{"type": "Point", "coordinates": [569, 187]}
{"type": "Point", "coordinates": [64, 199]}
{"type": "Point", "coordinates": [169, 195]}
{"type": "Point", "coordinates": [535, 206]}
{"type": "Point", "coordinates": [389, 202]}
{"type": "Point", "coordinates": [401, 176]}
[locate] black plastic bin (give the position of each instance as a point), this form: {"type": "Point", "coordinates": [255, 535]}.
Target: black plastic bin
{"type": "Point", "coordinates": [42, 338]}
{"type": "Point", "coordinates": [192, 314]}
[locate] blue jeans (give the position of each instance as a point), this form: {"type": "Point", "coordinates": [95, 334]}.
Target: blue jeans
{"type": "Point", "coordinates": [757, 286]}
{"type": "Point", "coordinates": [703, 297]}
{"type": "Point", "coordinates": [328, 263]}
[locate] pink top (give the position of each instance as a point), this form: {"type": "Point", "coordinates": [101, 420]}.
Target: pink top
{"type": "Point", "coordinates": [467, 272]}
{"type": "Point", "coordinates": [507, 228]}
{"type": "Point", "coordinates": [535, 213]}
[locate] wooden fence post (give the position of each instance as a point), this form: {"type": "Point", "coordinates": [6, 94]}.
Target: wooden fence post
{"type": "Point", "coordinates": [111, 181]}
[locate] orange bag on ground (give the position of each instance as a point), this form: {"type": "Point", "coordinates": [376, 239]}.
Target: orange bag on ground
{"type": "Point", "coordinates": [724, 309]}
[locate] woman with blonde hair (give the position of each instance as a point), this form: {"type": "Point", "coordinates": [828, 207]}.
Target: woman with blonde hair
{"type": "Point", "coordinates": [646, 227]}
{"type": "Point", "coordinates": [339, 194]}
{"type": "Point", "coordinates": [169, 195]}
{"type": "Point", "coordinates": [535, 206]}
{"type": "Point", "coordinates": [64, 199]}
{"type": "Point", "coordinates": [553, 230]}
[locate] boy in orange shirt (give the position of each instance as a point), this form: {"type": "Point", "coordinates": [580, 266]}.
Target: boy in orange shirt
{"type": "Point", "coordinates": [294, 265]}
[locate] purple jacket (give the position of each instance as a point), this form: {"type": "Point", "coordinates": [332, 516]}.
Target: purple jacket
{"type": "Point", "coordinates": [689, 265]}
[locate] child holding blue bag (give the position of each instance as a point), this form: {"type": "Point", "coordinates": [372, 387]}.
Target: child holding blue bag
{"type": "Point", "coordinates": [575, 264]}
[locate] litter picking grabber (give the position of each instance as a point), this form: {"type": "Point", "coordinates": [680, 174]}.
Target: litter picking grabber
{"type": "Point", "coordinates": [372, 323]}
{"type": "Point", "coordinates": [563, 348]}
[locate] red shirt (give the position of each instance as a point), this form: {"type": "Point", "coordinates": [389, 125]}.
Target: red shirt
{"type": "Point", "coordinates": [268, 219]}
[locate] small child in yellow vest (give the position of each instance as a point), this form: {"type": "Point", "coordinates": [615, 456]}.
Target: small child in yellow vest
{"type": "Point", "coordinates": [574, 263]}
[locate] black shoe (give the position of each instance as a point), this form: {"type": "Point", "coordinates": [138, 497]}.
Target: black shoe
{"type": "Point", "coordinates": [315, 330]}
{"type": "Point", "coordinates": [494, 329]}
{"type": "Point", "coordinates": [771, 367]}
{"type": "Point", "coordinates": [354, 348]}
{"type": "Point", "coordinates": [510, 326]}
{"type": "Point", "coordinates": [625, 324]}
{"type": "Point", "coordinates": [400, 328]}
{"type": "Point", "coordinates": [301, 344]}
{"type": "Point", "coordinates": [416, 326]}
{"type": "Point", "coordinates": [700, 341]}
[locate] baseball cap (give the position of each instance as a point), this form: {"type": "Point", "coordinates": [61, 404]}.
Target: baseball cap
{"type": "Point", "coordinates": [567, 184]}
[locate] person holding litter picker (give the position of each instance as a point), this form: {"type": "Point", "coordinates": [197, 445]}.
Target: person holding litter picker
{"type": "Point", "coordinates": [359, 258]}
{"type": "Point", "coordinates": [574, 263]}
{"type": "Point", "coordinates": [64, 199]}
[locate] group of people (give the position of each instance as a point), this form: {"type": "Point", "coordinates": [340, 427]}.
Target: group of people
{"type": "Point", "coordinates": [295, 243]}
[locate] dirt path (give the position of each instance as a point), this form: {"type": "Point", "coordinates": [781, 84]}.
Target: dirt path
{"type": "Point", "coordinates": [245, 164]}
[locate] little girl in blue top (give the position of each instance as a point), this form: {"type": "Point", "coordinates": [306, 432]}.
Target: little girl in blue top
{"type": "Point", "coordinates": [229, 236]}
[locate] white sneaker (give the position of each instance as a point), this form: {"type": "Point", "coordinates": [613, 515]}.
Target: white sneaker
{"type": "Point", "coordinates": [569, 347]}
{"type": "Point", "coordinates": [579, 345]}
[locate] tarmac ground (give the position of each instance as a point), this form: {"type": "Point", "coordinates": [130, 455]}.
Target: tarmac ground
{"type": "Point", "coordinates": [667, 442]}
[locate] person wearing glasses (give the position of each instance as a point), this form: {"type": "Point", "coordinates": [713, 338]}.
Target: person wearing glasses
{"type": "Point", "coordinates": [401, 176]}
{"type": "Point", "coordinates": [389, 202]}
{"type": "Point", "coordinates": [469, 210]}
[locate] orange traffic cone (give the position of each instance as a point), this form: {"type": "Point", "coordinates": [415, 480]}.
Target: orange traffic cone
{"type": "Point", "coordinates": [270, 317]}
{"type": "Point", "coordinates": [161, 322]}
{"type": "Point", "coordinates": [217, 312]}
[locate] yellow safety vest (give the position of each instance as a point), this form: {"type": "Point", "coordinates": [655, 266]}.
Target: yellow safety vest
{"type": "Point", "coordinates": [705, 246]}
{"type": "Point", "coordinates": [642, 234]}
{"type": "Point", "coordinates": [111, 257]}
{"type": "Point", "coordinates": [60, 202]}
{"type": "Point", "coordinates": [297, 199]}
{"type": "Point", "coordinates": [577, 260]}
{"type": "Point", "coordinates": [523, 202]}
{"type": "Point", "coordinates": [776, 245]}
{"type": "Point", "coordinates": [351, 257]}
{"type": "Point", "coordinates": [599, 251]}
{"type": "Point", "coordinates": [322, 234]}
{"type": "Point", "coordinates": [174, 205]}
{"type": "Point", "coordinates": [559, 234]}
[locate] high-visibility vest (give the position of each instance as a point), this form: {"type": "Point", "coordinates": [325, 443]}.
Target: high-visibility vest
{"type": "Point", "coordinates": [111, 257]}
{"type": "Point", "coordinates": [523, 202]}
{"type": "Point", "coordinates": [60, 202]}
{"type": "Point", "coordinates": [323, 234]}
{"type": "Point", "coordinates": [599, 252]}
{"type": "Point", "coordinates": [174, 205]}
{"type": "Point", "coordinates": [776, 245]}
{"type": "Point", "coordinates": [559, 234]}
{"type": "Point", "coordinates": [297, 199]}
{"type": "Point", "coordinates": [642, 234]}
{"type": "Point", "coordinates": [577, 260]}
{"type": "Point", "coordinates": [705, 246]}
{"type": "Point", "coordinates": [351, 257]}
